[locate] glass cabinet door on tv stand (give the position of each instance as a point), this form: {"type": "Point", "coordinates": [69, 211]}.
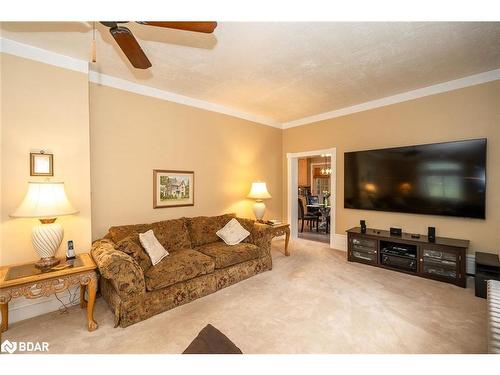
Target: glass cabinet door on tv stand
{"type": "Point", "coordinates": [439, 263]}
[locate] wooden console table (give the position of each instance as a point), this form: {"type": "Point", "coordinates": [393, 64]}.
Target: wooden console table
{"type": "Point", "coordinates": [25, 280]}
{"type": "Point", "coordinates": [280, 230]}
{"type": "Point", "coordinates": [442, 260]}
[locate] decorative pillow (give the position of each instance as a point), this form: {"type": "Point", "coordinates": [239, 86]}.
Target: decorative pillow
{"type": "Point", "coordinates": [132, 246]}
{"type": "Point", "coordinates": [153, 247]}
{"type": "Point", "coordinates": [233, 233]}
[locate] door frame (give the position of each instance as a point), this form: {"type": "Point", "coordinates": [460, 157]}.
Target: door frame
{"type": "Point", "coordinates": [292, 189]}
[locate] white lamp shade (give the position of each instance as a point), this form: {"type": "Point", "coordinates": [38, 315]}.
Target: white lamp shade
{"type": "Point", "coordinates": [45, 200]}
{"type": "Point", "coordinates": [259, 191]}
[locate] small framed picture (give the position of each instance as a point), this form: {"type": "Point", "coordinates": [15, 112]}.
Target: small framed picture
{"type": "Point", "coordinates": [41, 164]}
{"type": "Point", "coordinates": [173, 188]}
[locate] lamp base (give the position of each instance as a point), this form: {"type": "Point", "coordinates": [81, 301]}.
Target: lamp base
{"type": "Point", "coordinates": [46, 263]}
{"type": "Point", "coordinates": [46, 239]}
{"type": "Point", "coordinates": [259, 208]}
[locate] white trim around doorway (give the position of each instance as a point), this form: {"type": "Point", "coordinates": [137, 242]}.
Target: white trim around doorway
{"type": "Point", "coordinates": [292, 193]}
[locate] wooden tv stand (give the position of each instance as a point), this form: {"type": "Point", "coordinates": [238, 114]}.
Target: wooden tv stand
{"type": "Point", "coordinates": [443, 260]}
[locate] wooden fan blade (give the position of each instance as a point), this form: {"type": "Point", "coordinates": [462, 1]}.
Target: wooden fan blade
{"type": "Point", "coordinates": [130, 47]}
{"type": "Point", "coordinates": [199, 27]}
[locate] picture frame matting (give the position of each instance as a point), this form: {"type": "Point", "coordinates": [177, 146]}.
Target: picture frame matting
{"type": "Point", "coordinates": [41, 164]}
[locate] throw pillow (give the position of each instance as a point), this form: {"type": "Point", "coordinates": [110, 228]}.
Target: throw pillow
{"type": "Point", "coordinates": [211, 341]}
{"type": "Point", "coordinates": [233, 233]}
{"type": "Point", "coordinates": [153, 247]}
{"type": "Point", "coordinates": [132, 246]}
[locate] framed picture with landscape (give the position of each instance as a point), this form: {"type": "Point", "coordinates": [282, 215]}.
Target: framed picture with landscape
{"type": "Point", "coordinates": [173, 188]}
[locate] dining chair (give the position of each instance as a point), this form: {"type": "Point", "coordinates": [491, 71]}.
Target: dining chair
{"type": "Point", "coordinates": [309, 218]}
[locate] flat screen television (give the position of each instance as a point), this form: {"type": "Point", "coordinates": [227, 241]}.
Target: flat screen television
{"type": "Point", "coordinates": [434, 179]}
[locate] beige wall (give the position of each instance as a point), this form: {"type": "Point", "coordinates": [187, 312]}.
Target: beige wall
{"type": "Point", "coordinates": [47, 107]}
{"type": "Point", "coordinates": [132, 134]}
{"type": "Point", "coordinates": [43, 107]}
{"type": "Point", "coordinates": [471, 112]}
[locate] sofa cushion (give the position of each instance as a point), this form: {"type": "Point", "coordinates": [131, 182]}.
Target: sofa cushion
{"type": "Point", "coordinates": [172, 234]}
{"type": "Point", "coordinates": [248, 224]}
{"type": "Point", "coordinates": [202, 229]}
{"type": "Point", "coordinates": [120, 232]}
{"type": "Point", "coordinates": [179, 266]}
{"type": "Point", "coordinates": [226, 255]}
{"type": "Point", "coordinates": [131, 245]}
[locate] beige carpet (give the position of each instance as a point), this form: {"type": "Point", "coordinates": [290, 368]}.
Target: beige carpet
{"type": "Point", "coordinates": [314, 236]}
{"type": "Point", "coordinates": [311, 302]}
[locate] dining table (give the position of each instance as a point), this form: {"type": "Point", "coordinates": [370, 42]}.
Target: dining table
{"type": "Point", "coordinates": [325, 212]}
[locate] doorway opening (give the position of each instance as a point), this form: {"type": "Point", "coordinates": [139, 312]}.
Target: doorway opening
{"type": "Point", "coordinates": [312, 195]}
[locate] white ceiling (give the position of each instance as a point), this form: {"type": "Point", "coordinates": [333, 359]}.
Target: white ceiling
{"type": "Point", "coordinates": [283, 71]}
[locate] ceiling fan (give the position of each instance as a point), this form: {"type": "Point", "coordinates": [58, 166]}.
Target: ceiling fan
{"type": "Point", "coordinates": [131, 48]}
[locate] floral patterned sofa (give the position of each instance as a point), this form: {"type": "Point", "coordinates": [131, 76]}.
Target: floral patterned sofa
{"type": "Point", "coordinates": [199, 264]}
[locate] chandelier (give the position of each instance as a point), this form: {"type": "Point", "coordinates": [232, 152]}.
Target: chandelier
{"type": "Point", "coordinates": [326, 170]}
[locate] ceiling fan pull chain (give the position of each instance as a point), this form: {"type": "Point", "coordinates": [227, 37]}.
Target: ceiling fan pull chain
{"type": "Point", "coordinates": [93, 45]}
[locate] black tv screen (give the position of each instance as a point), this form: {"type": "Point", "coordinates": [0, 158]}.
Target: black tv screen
{"type": "Point", "coordinates": [435, 179]}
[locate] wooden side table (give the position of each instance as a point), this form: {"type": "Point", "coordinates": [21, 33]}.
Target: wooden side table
{"type": "Point", "coordinates": [280, 230]}
{"type": "Point", "coordinates": [25, 280]}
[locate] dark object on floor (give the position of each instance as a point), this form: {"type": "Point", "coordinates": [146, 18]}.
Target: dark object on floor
{"type": "Point", "coordinates": [487, 268]}
{"type": "Point", "coordinates": [212, 341]}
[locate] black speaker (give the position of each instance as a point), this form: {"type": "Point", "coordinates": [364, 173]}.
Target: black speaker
{"type": "Point", "coordinates": [362, 224]}
{"type": "Point", "coordinates": [431, 234]}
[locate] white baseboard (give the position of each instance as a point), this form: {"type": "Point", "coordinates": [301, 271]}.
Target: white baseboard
{"type": "Point", "coordinates": [23, 308]}
{"type": "Point", "coordinates": [340, 242]}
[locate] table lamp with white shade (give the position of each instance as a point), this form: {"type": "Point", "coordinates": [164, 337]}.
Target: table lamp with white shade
{"type": "Point", "coordinates": [45, 201]}
{"type": "Point", "coordinates": [259, 192]}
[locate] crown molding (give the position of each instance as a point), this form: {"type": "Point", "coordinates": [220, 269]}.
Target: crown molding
{"type": "Point", "coordinates": [44, 56]}
{"type": "Point", "coordinates": [26, 51]}
{"type": "Point", "coordinates": [472, 80]}
{"type": "Point", "coordinates": [33, 53]}
{"type": "Point", "coordinates": [122, 84]}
